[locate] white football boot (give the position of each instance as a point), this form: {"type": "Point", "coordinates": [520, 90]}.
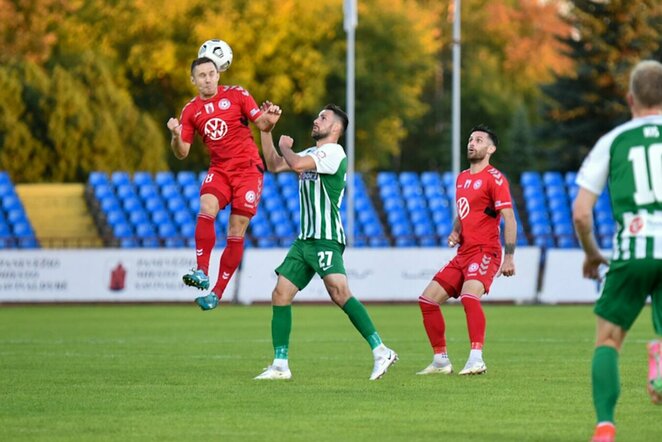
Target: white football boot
{"type": "Point", "coordinates": [444, 368]}
{"type": "Point", "coordinates": [383, 361]}
{"type": "Point", "coordinates": [272, 372]}
{"type": "Point", "coordinates": [474, 367]}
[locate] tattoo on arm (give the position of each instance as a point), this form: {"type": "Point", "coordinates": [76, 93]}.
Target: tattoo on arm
{"type": "Point", "coordinates": [509, 249]}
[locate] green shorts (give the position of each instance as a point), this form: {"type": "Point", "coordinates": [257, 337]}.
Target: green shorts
{"type": "Point", "coordinates": [626, 288]}
{"type": "Point", "coordinates": [310, 256]}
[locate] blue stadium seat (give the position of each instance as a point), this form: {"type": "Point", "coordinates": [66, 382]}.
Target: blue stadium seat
{"type": "Point", "coordinates": [138, 217]}
{"type": "Point", "coordinates": [148, 191]}
{"type": "Point", "coordinates": [443, 230]}
{"type": "Point", "coordinates": [266, 243]}
{"type": "Point", "coordinates": [544, 241]}
{"type": "Point", "coordinates": [160, 217]}
{"type": "Point", "coordinates": [409, 179]}
{"type": "Point", "coordinates": [439, 204]}
{"type": "Point", "coordinates": [561, 217]}
{"type": "Point", "coordinates": [287, 178]}
{"type": "Point", "coordinates": [378, 241]}
{"type": "Point", "coordinates": [415, 203]}
{"type": "Point", "coordinates": [393, 203]}
{"type": "Point", "coordinates": [389, 191]}
{"type": "Point", "coordinates": [419, 216]}
{"type": "Point", "coordinates": [115, 216]}
{"type": "Point", "coordinates": [187, 230]}
{"type": "Point", "coordinates": [132, 204]}
{"type": "Point", "coordinates": [110, 203]}
{"type": "Point", "coordinates": [432, 191]}
{"type": "Point", "coordinates": [401, 229]}
{"type": "Point", "coordinates": [95, 179]}
{"type": "Point", "coordinates": [570, 178]}
{"type": "Point", "coordinates": [176, 205]}
{"type": "Point", "coordinates": [122, 230]}
{"type": "Point", "coordinates": [431, 178]}
{"type": "Point", "coordinates": [555, 191]}
{"type": "Point", "coordinates": [154, 203]}
{"type": "Point", "coordinates": [11, 202]}
{"type": "Point", "coordinates": [142, 178]}
{"type": "Point", "coordinates": [386, 178]}
{"type": "Point", "coordinates": [124, 191]}
{"type": "Point", "coordinates": [169, 191]}
{"type": "Point", "coordinates": [405, 241]}
{"type": "Point", "coordinates": [412, 191]}
{"type": "Point", "coordinates": [428, 241]}
{"type": "Point", "coordinates": [202, 175]}
{"type": "Point", "coordinates": [423, 229]}
{"type": "Point", "coordinates": [448, 178]}
{"type": "Point", "coordinates": [119, 177]}
{"type": "Point", "coordinates": [567, 242]}
{"type": "Point", "coordinates": [186, 177]}
{"type": "Point", "coordinates": [373, 229]}
{"type": "Point", "coordinates": [531, 178]}
{"type": "Point", "coordinates": [606, 229]}
{"type": "Point", "coordinates": [538, 216]}
{"type": "Point", "coordinates": [552, 178]}
{"type": "Point", "coordinates": [191, 191]}
{"type": "Point", "coordinates": [7, 189]}
{"type": "Point", "coordinates": [397, 216]}
{"type": "Point", "coordinates": [15, 216]}
{"type": "Point", "coordinates": [606, 241]}
{"type": "Point", "coordinates": [102, 191]}
{"type": "Point", "coordinates": [164, 178]}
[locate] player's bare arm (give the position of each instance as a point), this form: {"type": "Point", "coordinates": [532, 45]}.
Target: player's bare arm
{"type": "Point", "coordinates": [178, 146]}
{"type": "Point", "coordinates": [270, 116]}
{"type": "Point", "coordinates": [510, 239]}
{"type": "Point", "coordinates": [582, 217]}
{"type": "Point", "coordinates": [297, 163]}
{"type": "Point", "coordinates": [275, 162]}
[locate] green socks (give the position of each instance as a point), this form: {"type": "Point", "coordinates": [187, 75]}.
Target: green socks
{"type": "Point", "coordinates": [361, 320]}
{"type": "Point", "coordinates": [606, 383]}
{"type": "Point", "coordinates": [281, 326]}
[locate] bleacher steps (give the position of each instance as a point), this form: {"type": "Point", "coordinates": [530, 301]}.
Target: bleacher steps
{"type": "Point", "coordinates": [59, 215]}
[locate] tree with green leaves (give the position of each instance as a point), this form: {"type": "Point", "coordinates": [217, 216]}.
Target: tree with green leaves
{"type": "Point", "coordinates": [609, 38]}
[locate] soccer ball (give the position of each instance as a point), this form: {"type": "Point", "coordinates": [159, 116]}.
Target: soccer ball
{"type": "Point", "coordinates": [217, 51]}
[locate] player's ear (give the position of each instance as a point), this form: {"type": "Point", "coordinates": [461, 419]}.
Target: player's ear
{"type": "Point", "coordinates": [491, 149]}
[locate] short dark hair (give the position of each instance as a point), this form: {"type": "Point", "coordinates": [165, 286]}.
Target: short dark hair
{"type": "Point", "coordinates": [483, 128]}
{"type": "Point", "coordinates": [340, 114]}
{"type": "Point", "coordinates": [202, 60]}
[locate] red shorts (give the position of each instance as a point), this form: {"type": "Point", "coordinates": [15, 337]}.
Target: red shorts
{"type": "Point", "coordinates": [241, 186]}
{"type": "Point", "coordinates": [480, 265]}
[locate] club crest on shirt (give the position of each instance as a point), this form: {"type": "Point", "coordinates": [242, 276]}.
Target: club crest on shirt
{"type": "Point", "coordinates": [250, 196]}
{"type": "Point", "coordinates": [308, 175]}
{"type": "Point", "coordinates": [473, 267]}
{"type": "Point", "coordinates": [224, 104]}
{"type": "Point", "coordinates": [477, 184]}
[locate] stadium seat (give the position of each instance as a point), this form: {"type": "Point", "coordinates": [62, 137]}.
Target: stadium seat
{"type": "Point", "coordinates": [430, 178]}
{"type": "Point", "coordinates": [266, 243]}
{"type": "Point", "coordinates": [378, 241]}
{"type": "Point", "coordinates": [415, 203]}
{"type": "Point", "coordinates": [405, 241]}
{"type": "Point", "coordinates": [142, 178]}
{"type": "Point", "coordinates": [551, 178]}
{"type": "Point", "coordinates": [448, 178]}
{"type": "Point", "coordinates": [531, 178]}
{"type": "Point", "coordinates": [164, 178]}
{"type": "Point", "coordinates": [567, 242]}
{"type": "Point", "coordinates": [401, 229]}
{"type": "Point", "coordinates": [408, 179]}
{"type": "Point", "coordinates": [95, 179]}
{"type": "Point", "coordinates": [186, 177]}
{"type": "Point", "coordinates": [154, 203]}
{"type": "Point", "coordinates": [386, 178]}
{"type": "Point", "coordinates": [119, 178]}
{"type": "Point", "coordinates": [101, 191]}
{"type": "Point", "coordinates": [389, 191]}
{"type": "Point", "coordinates": [570, 178]}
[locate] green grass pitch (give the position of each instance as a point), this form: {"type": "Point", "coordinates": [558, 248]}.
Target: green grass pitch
{"type": "Point", "coordinates": [174, 373]}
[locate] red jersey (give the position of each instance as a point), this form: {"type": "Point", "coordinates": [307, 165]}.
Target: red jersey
{"type": "Point", "coordinates": [479, 199]}
{"type": "Point", "coordinates": [222, 122]}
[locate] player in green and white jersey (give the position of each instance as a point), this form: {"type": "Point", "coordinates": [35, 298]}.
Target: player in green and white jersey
{"type": "Point", "coordinates": [321, 242]}
{"type": "Point", "coordinates": [629, 159]}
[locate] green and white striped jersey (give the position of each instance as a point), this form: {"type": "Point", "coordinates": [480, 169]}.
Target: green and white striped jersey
{"type": "Point", "coordinates": [630, 158]}
{"type": "Point", "coordinates": [321, 192]}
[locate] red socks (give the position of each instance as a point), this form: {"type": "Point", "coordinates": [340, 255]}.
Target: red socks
{"type": "Point", "coordinates": [205, 238]}
{"type": "Point", "coordinates": [475, 320]}
{"type": "Point", "coordinates": [434, 324]}
{"type": "Point", "coordinates": [230, 260]}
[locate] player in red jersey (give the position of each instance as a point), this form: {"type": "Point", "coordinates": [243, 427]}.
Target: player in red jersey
{"type": "Point", "coordinates": [482, 198]}
{"type": "Point", "coordinates": [220, 114]}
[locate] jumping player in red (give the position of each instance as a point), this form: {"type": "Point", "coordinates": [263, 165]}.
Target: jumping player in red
{"type": "Point", "coordinates": [482, 198]}
{"type": "Point", "coordinates": [220, 114]}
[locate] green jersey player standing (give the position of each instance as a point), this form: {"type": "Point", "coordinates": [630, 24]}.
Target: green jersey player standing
{"type": "Point", "coordinates": [321, 241]}
{"type": "Point", "coordinates": [629, 158]}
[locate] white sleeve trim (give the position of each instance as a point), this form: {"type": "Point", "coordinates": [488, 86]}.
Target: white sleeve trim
{"type": "Point", "coordinates": [327, 158]}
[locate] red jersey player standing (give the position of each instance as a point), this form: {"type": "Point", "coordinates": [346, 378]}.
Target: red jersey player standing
{"type": "Point", "coordinates": [220, 114]}
{"type": "Point", "coordinates": [482, 198]}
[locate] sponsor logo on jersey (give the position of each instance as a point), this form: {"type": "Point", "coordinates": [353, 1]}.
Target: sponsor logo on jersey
{"type": "Point", "coordinates": [215, 128]}
{"type": "Point", "coordinates": [308, 175]}
{"type": "Point", "coordinates": [463, 207]}
{"type": "Point", "coordinates": [477, 184]}
{"type": "Point", "coordinates": [254, 111]}
{"type": "Point", "coordinates": [224, 104]}
{"type": "Point", "coordinates": [250, 196]}
{"type": "Point", "coordinates": [320, 154]}
{"type": "Point", "coordinates": [636, 225]}
{"type": "Point", "coordinates": [651, 132]}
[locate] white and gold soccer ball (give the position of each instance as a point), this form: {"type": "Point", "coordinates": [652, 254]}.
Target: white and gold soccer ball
{"type": "Point", "coordinates": [217, 51]}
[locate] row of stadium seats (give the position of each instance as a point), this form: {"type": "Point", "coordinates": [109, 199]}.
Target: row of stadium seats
{"type": "Point", "coordinates": [15, 227]}
{"type": "Point", "coordinates": [548, 199]}
{"type": "Point", "coordinates": [404, 209]}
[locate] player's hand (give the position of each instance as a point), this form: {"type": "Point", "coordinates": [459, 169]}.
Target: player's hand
{"type": "Point", "coordinates": [591, 264]}
{"type": "Point", "coordinates": [507, 266]}
{"type": "Point", "coordinates": [271, 111]}
{"type": "Point", "coordinates": [285, 142]}
{"type": "Point", "coordinates": [453, 239]}
{"type": "Point", "coordinates": [174, 127]}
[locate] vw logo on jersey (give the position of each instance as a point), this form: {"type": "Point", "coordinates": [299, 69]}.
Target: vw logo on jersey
{"type": "Point", "coordinates": [224, 104]}
{"type": "Point", "coordinates": [477, 184]}
{"type": "Point", "coordinates": [215, 128]}
{"type": "Point", "coordinates": [462, 207]}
